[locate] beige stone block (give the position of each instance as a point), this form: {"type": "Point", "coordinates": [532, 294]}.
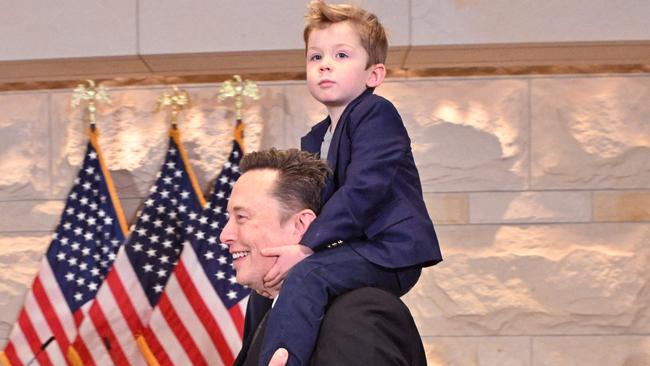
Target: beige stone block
{"type": "Point", "coordinates": [207, 26]}
{"type": "Point", "coordinates": [467, 135]}
{"type": "Point", "coordinates": [624, 350]}
{"type": "Point", "coordinates": [520, 207]}
{"type": "Point", "coordinates": [455, 22]}
{"type": "Point", "coordinates": [536, 279]}
{"type": "Point", "coordinates": [30, 215]}
{"type": "Point", "coordinates": [477, 351]}
{"type": "Point", "coordinates": [447, 208]}
{"type": "Point", "coordinates": [590, 132]}
{"type": "Point", "coordinates": [63, 29]}
{"type": "Point", "coordinates": [134, 139]}
{"type": "Point", "coordinates": [621, 206]}
{"type": "Point", "coordinates": [24, 146]}
{"type": "Point", "coordinates": [20, 257]}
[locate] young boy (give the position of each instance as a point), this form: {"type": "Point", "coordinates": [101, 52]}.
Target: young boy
{"type": "Point", "coordinates": [373, 229]}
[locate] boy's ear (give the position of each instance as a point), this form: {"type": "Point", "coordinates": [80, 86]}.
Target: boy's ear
{"type": "Point", "coordinates": [376, 76]}
{"type": "Point", "coordinates": [302, 220]}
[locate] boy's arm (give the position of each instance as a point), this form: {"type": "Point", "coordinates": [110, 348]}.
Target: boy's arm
{"type": "Point", "coordinates": [379, 144]}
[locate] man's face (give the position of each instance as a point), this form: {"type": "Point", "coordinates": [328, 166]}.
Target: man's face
{"type": "Point", "coordinates": [254, 224]}
{"type": "Point", "coordinates": [336, 64]}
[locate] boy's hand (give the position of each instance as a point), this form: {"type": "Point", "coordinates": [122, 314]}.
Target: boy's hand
{"type": "Point", "coordinates": [288, 256]}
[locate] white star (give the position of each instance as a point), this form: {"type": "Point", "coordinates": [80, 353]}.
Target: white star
{"type": "Point", "coordinates": [90, 170]}
{"type": "Point", "coordinates": [60, 256]}
{"type": "Point", "coordinates": [167, 180]}
{"type": "Point", "coordinates": [137, 247]}
{"type": "Point", "coordinates": [185, 195]}
{"type": "Point", "coordinates": [158, 288]}
{"type": "Point", "coordinates": [70, 211]}
{"type": "Point", "coordinates": [232, 280]}
{"type": "Point", "coordinates": [162, 273]}
{"type": "Point", "coordinates": [92, 286]}
{"type": "Point", "coordinates": [203, 220]}
{"type": "Point", "coordinates": [81, 281]}
{"type": "Point", "coordinates": [200, 234]}
{"type": "Point", "coordinates": [151, 252]}
{"type": "Point", "coordinates": [220, 275]}
{"type": "Point", "coordinates": [91, 221]}
{"type": "Point", "coordinates": [92, 155]}
{"type": "Point", "coordinates": [101, 213]}
{"type": "Point", "coordinates": [147, 267]}
{"type": "Point", "coordinates": [157, 223]}
{"type": "Point", "coordinates": [221, 194]}
{"type": "Point", "coordinates": [149, 202]}
{"type": "Point", "coordinates": [72, 261]}
{"type": "Point", "coordinates": [223, 180]}
{"type": "Point", "coordinates": [171, 165]}
{"type": "Point", "coordinates": [214, 224]}
{"type": "Point", "coordinates": [222, 260]}
{"type": "Point", "coordinates": [85, 251]}
{"type": "Point", "coordinates": [142, 231]}
{"type": "Point", "coordinates": [160, 209]}
{"type": "Point", "coordinates": [86, 186]}
{"type": "Point", "coordinates": [209, 255]}
{"type": "Point", "coordinates": [182, 208]}
{"type": "Point", "coordinates": [154, 238]}
{"type": "Point", "coordinates": [81, 216]}
{"type": "Point", "coordinates": [88, 236]}
{"type": "Point", "coordinates": [164, 194]}
{"type": "Point", "coordinates": [193, 215]}
{"type": "Point", "coordinates": [94, 271]}
{"type": "Point", "coordinates": [169, 230]}
{"type": "Point", "coordinates": [67, 226]}
{"type": "Point", "coordinates": [164, 259]}
{"type": "Point", "coordinates": [167, 243]}
{"type": "Point", "coordinates": [212, 240]}
{"type": "Point", "coordinates": [145, 218]}
{"type": "Point", "coordinates": [232, 295]}
{"type": "Point", "coordinates": [69, 276]}
{"type": "Point", "coordinates": [78, 296]}
{"type": "Point", "coordinates": [64, 241]}
{"type": "Point", "coordinates": [108, 220]}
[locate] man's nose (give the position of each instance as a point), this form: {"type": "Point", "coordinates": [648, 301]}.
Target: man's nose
{"type": "Point", "coordinates": [227, 234]}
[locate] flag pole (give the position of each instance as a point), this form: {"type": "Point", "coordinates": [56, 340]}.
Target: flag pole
{"type": "Point", "coordinates": [238, 89]}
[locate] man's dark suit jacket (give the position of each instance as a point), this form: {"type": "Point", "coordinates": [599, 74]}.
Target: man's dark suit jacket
{"type": "Point", "coordinates": [366, 326]}
{"type": "Point", "coordinates": [388, 225]}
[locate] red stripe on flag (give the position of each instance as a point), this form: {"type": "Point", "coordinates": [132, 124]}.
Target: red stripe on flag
{"type": "Point", "coordinates": [48, 313]}
{"type": "Point", "coordinates": [123, 301]}
{"type": "Point", "coordinates": [32, 337]}
{"type": "Point", "coordinates": [204, 314]}
{"type": "Point", "coordinates": [78, 317]}
{"type": "Point", "coordinates": [156, 348]}
{"type": "Point", "coordinates": [181, 333]}
{"type": "Point", "coordinates": [12, 356]}
{"type": "Point", "coordinates": [80, 346]}
{"type": "Point", "coordinates": [238, 319]}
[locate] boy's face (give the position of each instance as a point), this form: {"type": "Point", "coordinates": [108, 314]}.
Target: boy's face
{"type": "Point", "coordinates": [336, 64]}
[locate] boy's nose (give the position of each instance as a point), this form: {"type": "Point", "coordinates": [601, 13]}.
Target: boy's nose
{"type": "Point", "coordinates": [325, 66]}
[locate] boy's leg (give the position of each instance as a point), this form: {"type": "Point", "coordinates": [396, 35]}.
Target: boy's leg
{"type": "Point", "coordinates": [294, 321]}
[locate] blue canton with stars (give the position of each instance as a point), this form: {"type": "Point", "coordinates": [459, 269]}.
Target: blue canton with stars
{"type": "Point", "coordinates": [213, 255]}
{"type": "Point", "coordinates": [168, 219]}
{"type": "Point", "coordinates": [88, 236]}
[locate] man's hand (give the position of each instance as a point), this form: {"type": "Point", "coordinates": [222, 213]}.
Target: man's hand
{"type": "Point", "coordinates": [280, 357]}
{"type": "Point", "coordinates": [288, 256]}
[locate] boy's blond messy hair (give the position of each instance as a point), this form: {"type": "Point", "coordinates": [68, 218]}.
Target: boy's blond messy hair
{"type": "Point", "coordinates": [371, 32]}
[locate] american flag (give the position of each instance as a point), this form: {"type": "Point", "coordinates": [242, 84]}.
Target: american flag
{"type": "Point", "coordinates": [82, 249]}
{"type": "Point", "coordinates": [124, 303]}
{"type": "Point", "coordinates": [199, 318]}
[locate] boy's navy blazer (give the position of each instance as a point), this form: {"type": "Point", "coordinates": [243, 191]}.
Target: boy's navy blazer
{"type": "Point", "coordinates": [387, 224]}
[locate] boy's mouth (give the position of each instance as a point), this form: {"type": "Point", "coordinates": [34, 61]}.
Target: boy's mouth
{"type": "Point", "coordinates": [325, 83]}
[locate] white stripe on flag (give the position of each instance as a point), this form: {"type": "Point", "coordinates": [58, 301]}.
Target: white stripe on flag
{"type": "Point", "coordinates": [57, 301]}
{"type": "Point", "coordinates": [167, 338]}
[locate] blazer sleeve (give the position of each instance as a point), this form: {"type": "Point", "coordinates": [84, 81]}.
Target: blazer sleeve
{"type": "Point", "coordinates": [378, 145]}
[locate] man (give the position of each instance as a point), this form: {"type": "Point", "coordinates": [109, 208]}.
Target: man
{"type": "Point", "coordinates": [273, 203]}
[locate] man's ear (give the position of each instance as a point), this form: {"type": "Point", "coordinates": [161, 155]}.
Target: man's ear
{"type": "Point", "coordinates": [376, 76]}
{"type": "Point", "coordinates": [302, 220]}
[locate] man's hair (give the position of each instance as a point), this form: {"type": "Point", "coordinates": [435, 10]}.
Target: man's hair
{"type": "Point", "coordinates": [373, 37]}
{"type": "Point", "coordinates": [301, 177]}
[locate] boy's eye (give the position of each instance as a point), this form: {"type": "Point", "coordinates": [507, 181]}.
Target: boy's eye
{"type": "Point", "coordinates": [341, 55]}
{"type": "Point", "coordinates": [315, 57]}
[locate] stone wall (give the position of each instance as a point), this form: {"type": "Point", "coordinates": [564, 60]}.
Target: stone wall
{"type": "Point", "coordinates": [539, 188]}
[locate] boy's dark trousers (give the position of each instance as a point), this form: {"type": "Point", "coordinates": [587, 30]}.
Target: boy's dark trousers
{"type": "Point", "coordinates": [295, 320]}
